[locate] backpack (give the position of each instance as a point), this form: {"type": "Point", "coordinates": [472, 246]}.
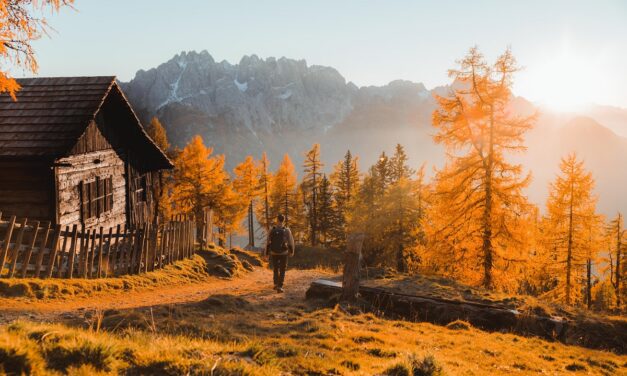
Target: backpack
{"type": "Point", "coordinates": [278, 241]}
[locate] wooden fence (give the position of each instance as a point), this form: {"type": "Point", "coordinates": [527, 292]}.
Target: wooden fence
{"type": "Point", "coordinates": [35, 249]}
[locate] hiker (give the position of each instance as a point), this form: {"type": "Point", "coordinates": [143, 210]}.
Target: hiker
{"type": "Point", "coordinates": [280, 244]}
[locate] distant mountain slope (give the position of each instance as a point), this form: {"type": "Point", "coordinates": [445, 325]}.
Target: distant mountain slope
{"type": "Point", "coordinates": [284, 105]}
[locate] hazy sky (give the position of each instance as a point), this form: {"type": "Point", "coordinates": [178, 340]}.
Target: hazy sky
{"type": "Point", "coordinates": [573, 51]}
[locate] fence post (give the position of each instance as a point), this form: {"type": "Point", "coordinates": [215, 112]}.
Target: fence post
{"type": "Point", "coordinates": [56, 238]}
{"type": "Point", "coordinates": [29, 251]}
{"type": "Point", "coordinates": [108, 255]}
{"type": "Point", "coordinates": [62, 254]}
{"type": "Point", "coordinates": [84, 239]}
{"type": "Point", "coordinates": [100, 249]}
{"type": "Point", "coordinates": [92, 254]}
{"type": "Point", "coordinates": [7, 242]}
{"type": "Point", "coordinates": [42, 249]}
{"type": "Point", "coordinates": [16, 247]}
{"type": "Point", "coordinates": [70, 267]}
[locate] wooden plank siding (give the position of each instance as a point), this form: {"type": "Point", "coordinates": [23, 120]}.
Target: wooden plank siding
{"type": "Point", "coordinates": [27, 189]}
{"type": "Point", "coordinates": [74, 170]}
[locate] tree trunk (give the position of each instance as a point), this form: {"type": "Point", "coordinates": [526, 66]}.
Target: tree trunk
{"type": "Point", "coordinates": [488, 251]}
{"type": "Point", "coordinates": [569, 253]}
{"type": "Point", "coordinates": [350, 279]}
{"type": "Point", "coordinates": [619, 245]}
{"type": "Point", "coordinates": [589, 283]}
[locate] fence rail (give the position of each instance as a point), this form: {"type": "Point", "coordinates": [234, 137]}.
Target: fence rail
{"type": "Point", "coordinates": [38, 250]}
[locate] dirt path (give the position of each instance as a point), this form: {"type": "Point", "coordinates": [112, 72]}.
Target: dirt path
{"type": "Point", "coordinates": [254, 286]}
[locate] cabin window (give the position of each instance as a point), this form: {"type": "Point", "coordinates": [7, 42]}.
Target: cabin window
{"type": "Point", "coordinates": [96, 197]}
{"type": "Point", "coordinates": [140, 189]}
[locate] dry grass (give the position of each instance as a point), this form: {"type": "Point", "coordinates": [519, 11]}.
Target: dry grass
{"type": "Point", "coordinates": [300, 340]}
{"type": "Point", "coordinates": [212, 262]}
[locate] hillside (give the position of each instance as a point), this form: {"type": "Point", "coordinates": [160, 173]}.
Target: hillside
{"type": "Point", "coordinates": [284, 105]}
{"type": "Point", "coordinates": [241, 327]}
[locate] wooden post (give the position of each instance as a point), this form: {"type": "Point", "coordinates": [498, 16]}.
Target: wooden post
{"type": "Point", "coordinates": [100, 250]}
{"type": "Point", "coordinates": [84, 246]}
{"type": "Point", "coordinates": [42, 248]}
{"type": "Point", "coordinates": [92, 254]}
{"type": "Point", "coordinates": [107, 257]}
{"type": "Point", "coordinates": [70, 265]}
{"type": "Point", "coordinates": [350, 279]}
{"type": "Point", "coordinates": [62, 253]}
{"type": "Point", "coordinates": [7, 242]}
{"type": "Point", "coordinates": [115, 251]}
{"type": "Point", "coordinates": [29, 251]}
{"type": "Point", "coordinates": [17, 246]}
{"type": "Point", "coordinates": [56, 239]}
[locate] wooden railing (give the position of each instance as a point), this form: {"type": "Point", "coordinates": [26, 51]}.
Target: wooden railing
{"type": "Point", "coordinates": [35, 249]}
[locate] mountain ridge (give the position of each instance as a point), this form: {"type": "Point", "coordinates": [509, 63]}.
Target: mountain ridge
{"type": "Point", "coordinates": [284, 106]}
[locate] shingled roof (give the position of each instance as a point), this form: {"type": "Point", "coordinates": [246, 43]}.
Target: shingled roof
{"type": "Point", "coordinates": [51, 113]}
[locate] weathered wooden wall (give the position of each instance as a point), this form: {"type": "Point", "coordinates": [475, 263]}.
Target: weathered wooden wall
{"type": "Point", "coordinates": [27, 189]}
{"type": "Point", "coordinates": [86, 167]}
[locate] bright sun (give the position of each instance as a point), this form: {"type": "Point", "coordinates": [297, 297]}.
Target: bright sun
{"type": "Point", "coordinates": [565, 80]}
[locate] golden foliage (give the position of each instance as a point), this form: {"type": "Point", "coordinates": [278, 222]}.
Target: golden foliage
{"type": "Point", "coordinates": [478, 206]}
{"type": "Point", "coordinates": [18, 28]}
{"type": "Point", "coordinates": [572, 227]}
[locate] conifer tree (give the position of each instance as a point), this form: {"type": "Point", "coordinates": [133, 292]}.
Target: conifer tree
{"type": "Point", "coordinates": [617, 237]}
{"type": "Point", "coordinates": [200, 180]}
{"type": "Point", "coordinates": [399, 169]}
{"type": "Point", "coordinates": [246, 184]}
{"type": "Point", "coordinates": [345, 181]}
{"type": "Point", "coordinates": [158, 134]}
{"type": "Point", "coordinates": [327, 215]}
{"type": "Point", "coordinates": [265, 187]}
{"type": "Point", "coordinates": [480, 200]}
{"type": "Point", "coordinates": [284, 196]}
{"type": "Point", "coordinates": [19, 26]}
{"type": "Point", "coordinates": [311, 184]}
{"type": "Point", "coordinates": [571, 218]}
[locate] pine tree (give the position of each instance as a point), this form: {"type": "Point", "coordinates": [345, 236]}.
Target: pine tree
{"type": "Point", "coordinates": [327, 215]}
{"type": "Point", "coordinates": [265, 183]}
{"type": "Point", "coordinates": [246, 184]}
{"type": "Point", "coordinates": [382, 173]}
{"type": "Point", "coordinates": [310, 185]}
{"type": "Point", "coordinates": [479, 192]}
{"type": "Point", "coordinates": [399, 169]}
{"type": "Point", "coordinates": [345, 181]}
{"type": "Point", "coordinates": [571, 218]}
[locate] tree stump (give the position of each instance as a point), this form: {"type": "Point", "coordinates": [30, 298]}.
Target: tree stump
{"type": "Point", "coordinates": [350, 279]}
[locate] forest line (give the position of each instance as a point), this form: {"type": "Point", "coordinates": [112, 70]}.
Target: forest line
{"type": "Point", "coordinates": [471, 221]}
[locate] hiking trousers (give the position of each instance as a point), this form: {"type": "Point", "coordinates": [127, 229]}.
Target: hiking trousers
{"type": "Point", "coordinates": [279, 264]}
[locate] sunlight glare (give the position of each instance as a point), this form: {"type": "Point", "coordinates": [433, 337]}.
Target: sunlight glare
{"type": "Point", "coordinates": [568, 79]}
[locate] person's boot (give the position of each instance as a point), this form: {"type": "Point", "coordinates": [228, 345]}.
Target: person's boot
{"type": "Point", "coordinates": [279, 289]}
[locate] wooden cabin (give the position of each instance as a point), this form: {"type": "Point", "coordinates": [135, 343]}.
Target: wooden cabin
{"type": "Point", "coordinates": [72, 151]}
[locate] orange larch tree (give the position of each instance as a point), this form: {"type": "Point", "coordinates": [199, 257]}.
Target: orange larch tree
{"type": "Point", "coordinates": [18, 28]}
{"type": "Point", "coordinates": [572, 227]}
{"type": "Point", "coordinates": [479, 200]}
{"type": "Point", "coordinates": [246, 184]}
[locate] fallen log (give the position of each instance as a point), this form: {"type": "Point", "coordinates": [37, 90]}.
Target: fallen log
{"type": "Point", "coordinates": [606, 335]}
